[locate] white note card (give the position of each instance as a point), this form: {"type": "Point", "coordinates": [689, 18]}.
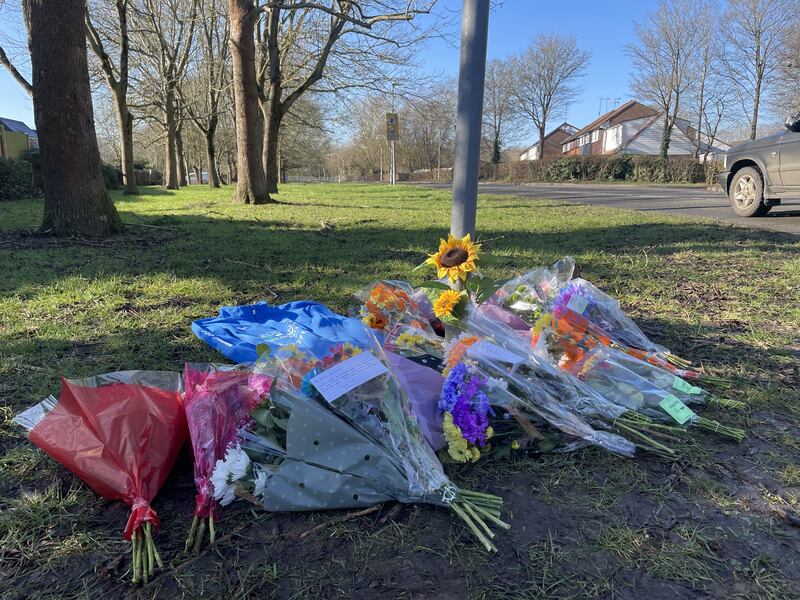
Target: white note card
{"type": "Point", "coordinates": [347, 375]}
{"type": "Point", "coordinates": [485, 350]}
{"type": "Point", "coordinates": [578, 304]}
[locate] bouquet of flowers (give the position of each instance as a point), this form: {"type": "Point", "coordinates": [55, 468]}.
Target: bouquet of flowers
{"type": "Point", "coordinates": [120, 433]}
{"type": "Point", "coordinates": [604, 369]}
{"type": "Point", "coordinates": [536, 292]}
{"type": "Point", "coordinates": [387, 303]}
{"type": "Point", "coordinates": [576, 333]}
{"type": "Point", "coordinates": [525, 387]}
{"type": "Point", "coordinates": [337, 431]}
{"type": "Point", "coordinates": [219, 400]}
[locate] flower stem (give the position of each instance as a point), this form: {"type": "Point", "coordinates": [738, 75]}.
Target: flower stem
{"type": "Point", "coordinates": [492, 518]}
{"type": "Point", "coordinates": [151, 548]}
{"type": "Point", "coordinates": [143, 554]}
{"type": "Point", "coordinates": [726, 403]}
{"type": "Point", "coordinates": [475, 517]}
{"type": "Point", "coordinates": [476, 532]}
{"type": "Point", "coordinates": [717, 427]}
{"type": "Point", "coordinates": [190, 538]}
{"type": "Point", "coordinates": [134, 566]}
{"type": "Point", "coordinates": [212, 532]}
{"type": "Point", "coordinates": [198, 540]}
{"type": "Point", "coordinates": [647, 439]}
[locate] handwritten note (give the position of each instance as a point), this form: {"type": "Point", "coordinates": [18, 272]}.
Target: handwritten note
{"type": "Point", "coordinates": [348, 375]}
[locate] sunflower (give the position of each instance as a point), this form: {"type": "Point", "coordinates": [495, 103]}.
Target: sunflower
{"type": "Point", "coordinates": [456, 257]}
{"type": "Point", "coordinates": [446, 303]}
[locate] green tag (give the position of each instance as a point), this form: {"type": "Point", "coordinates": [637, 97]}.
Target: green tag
{"type": "Point", "coordinates": [676, 409]}
{"type": "Point", "coordinates": [684, 386]}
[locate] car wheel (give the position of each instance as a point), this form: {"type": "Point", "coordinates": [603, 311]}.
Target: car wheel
{"type": "Point", "coordinates": [746, 193]}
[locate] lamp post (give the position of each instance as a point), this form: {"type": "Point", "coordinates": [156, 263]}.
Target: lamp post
{"type": "Point", "coordinates": [471, 76]}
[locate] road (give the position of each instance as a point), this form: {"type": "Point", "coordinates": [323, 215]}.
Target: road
{"type": "Point", "coordinates": [685, 201]}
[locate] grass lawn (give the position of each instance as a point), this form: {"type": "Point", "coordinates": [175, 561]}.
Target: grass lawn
{"type": "Point", "coordinates": [716, 523]}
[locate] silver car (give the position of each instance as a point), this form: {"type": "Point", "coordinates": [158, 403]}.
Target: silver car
{"type": "Point", "coordinates": [759, 173]}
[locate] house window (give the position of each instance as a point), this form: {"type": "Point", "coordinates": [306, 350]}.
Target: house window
{"type": "Point", "coordinates": [595, 135]}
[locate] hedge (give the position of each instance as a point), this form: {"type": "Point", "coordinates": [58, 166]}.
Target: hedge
{"type": "Point", "coordinates": [616, 167]}
{"type": "Point", "coordinates": [16, 179]}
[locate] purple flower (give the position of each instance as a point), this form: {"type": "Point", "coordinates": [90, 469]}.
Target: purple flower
{"type": "Point", "coordinates": [463, 398]}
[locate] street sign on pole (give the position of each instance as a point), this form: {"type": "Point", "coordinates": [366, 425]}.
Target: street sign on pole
{"type": "Point", "coordinates": [392, 134]}
{"type": "Point", "coordinates": [471, 76]}
{"type": "Point", "coordinates": [392, 127]}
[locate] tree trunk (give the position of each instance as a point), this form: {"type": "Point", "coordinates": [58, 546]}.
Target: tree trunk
{"type": "Point", "coordinates": [666, 137]}
{"type": "Point", "coordinates": [541, 141]}
{"type": "Point", "coordinates": [75, 198]}
{"type": "Point", "coordinates": [756, 102]}
{"type": "Point", "coordinates": [271, 159]}
{"type": "Point", "coordinates": [170, 160]}
{"type": "Point", "coordinates": [211, 157]}
{"type": "Point", "coordinates": [272, 109]}
{"type": "Point", "coordinates": [182, 181]}
{"type": "Point", "coordinates": [251, 185]}
{"type": "Point", "coordinates": [125, 123]}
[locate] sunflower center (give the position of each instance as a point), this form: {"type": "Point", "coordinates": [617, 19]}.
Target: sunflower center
{"type": "Point", "coordinates": [454, 257]}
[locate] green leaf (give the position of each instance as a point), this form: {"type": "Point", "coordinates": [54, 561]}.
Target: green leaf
{"type": "Point", "coordinates": [437, 285]}
{"type": "Point", "coordinates": [422, 265]}
{"type": "Point", "coordinates": [262, 349]}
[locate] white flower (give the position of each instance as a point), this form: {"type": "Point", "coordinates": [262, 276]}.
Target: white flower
{"type": "Point", "coordinates": [227, 472]}
{"type": "Point", "coordinates": [238, 462]}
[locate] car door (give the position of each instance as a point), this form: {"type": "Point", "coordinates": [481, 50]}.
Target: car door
{"type": "Point", "coordinates": [790, 162]}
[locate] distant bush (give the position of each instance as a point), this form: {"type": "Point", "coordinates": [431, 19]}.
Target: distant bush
{"type": "Point", "coordinates": [615, 167]}
{"type": "Point", "coordinates": [16, 179]}
{"type": "Point", "coordinates": [111, 176]}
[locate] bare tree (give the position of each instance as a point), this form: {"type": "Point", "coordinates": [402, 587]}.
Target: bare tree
{"type": "Point", "coordinates": [501, 117]}
{"type": "Point", "coordinates": [299, 40]}
{"type": "Point", "coordinates": [75, 198]}
{"type": "Point", "coordinates": [116, 76]}
{"type": "Point", "coordinates": [753, 33]}
{"type": "Point", "coordinates": [210, 80]}
{"type": "Point", "coordinates": [547, 76]}
{"type": "Point", "coordinates": [164, 35]}
{"type": "Point", "coordinates": [14, 46]}
{"type": "Point", "coordinates": [663, 60]}
{"type": "Point", "coordinates": [785, 98]}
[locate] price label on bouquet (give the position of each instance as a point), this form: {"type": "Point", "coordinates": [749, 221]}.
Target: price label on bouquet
{"type": "Point", "coordinates": [578, 304]}
{"type": "Point", "coordinates": [488, 351]}
{"type": "Point", "coordinates": [676, 409]}
{"type": "Point", "coordinates": [348, 375]}
{"type": "Point", "coordinates": [684, 386]}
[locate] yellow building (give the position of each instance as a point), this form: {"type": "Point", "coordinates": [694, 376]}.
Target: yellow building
{"type": "Point", "coordinates": [16, 138]}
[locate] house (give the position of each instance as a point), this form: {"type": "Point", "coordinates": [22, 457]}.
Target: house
{"type": "Point", "coordinates": [552, 143]}
{"type": "Point", "coordinates": [589, 140]}
{"type": "Point", "coordinates": [16, 138]}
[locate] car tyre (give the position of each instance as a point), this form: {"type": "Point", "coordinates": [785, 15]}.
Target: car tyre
{"type": "Point", "coordinates": [746, 193]}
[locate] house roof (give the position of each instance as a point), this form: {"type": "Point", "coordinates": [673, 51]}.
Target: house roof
{"type": "Point", "coordinates": [601, 119]}
{"type": "Point", "coordinates": [18, 127]}
{"type": "Point", "coordinates": [565, 126]}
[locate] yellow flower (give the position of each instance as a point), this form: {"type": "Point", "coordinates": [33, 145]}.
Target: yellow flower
{"type": "Point", "coordinates": [456, 257]}
{"type": "Point", "coordinates": [515, 445]}
{"type": "Point", "coordinates": [457, 447]}
{"type": "Point", "coordinates": [446, 303]}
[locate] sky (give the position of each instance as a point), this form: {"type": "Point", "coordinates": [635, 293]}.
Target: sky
{"type": "Point", "coordinates": [603, 28]}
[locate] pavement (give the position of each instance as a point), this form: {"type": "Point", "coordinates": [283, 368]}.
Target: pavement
{"type": "Point", "coordinates": [675, 200]}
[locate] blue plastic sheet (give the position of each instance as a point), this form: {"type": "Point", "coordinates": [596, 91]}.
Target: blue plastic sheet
{"type": "Point", "coordinates": [238, 330]}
